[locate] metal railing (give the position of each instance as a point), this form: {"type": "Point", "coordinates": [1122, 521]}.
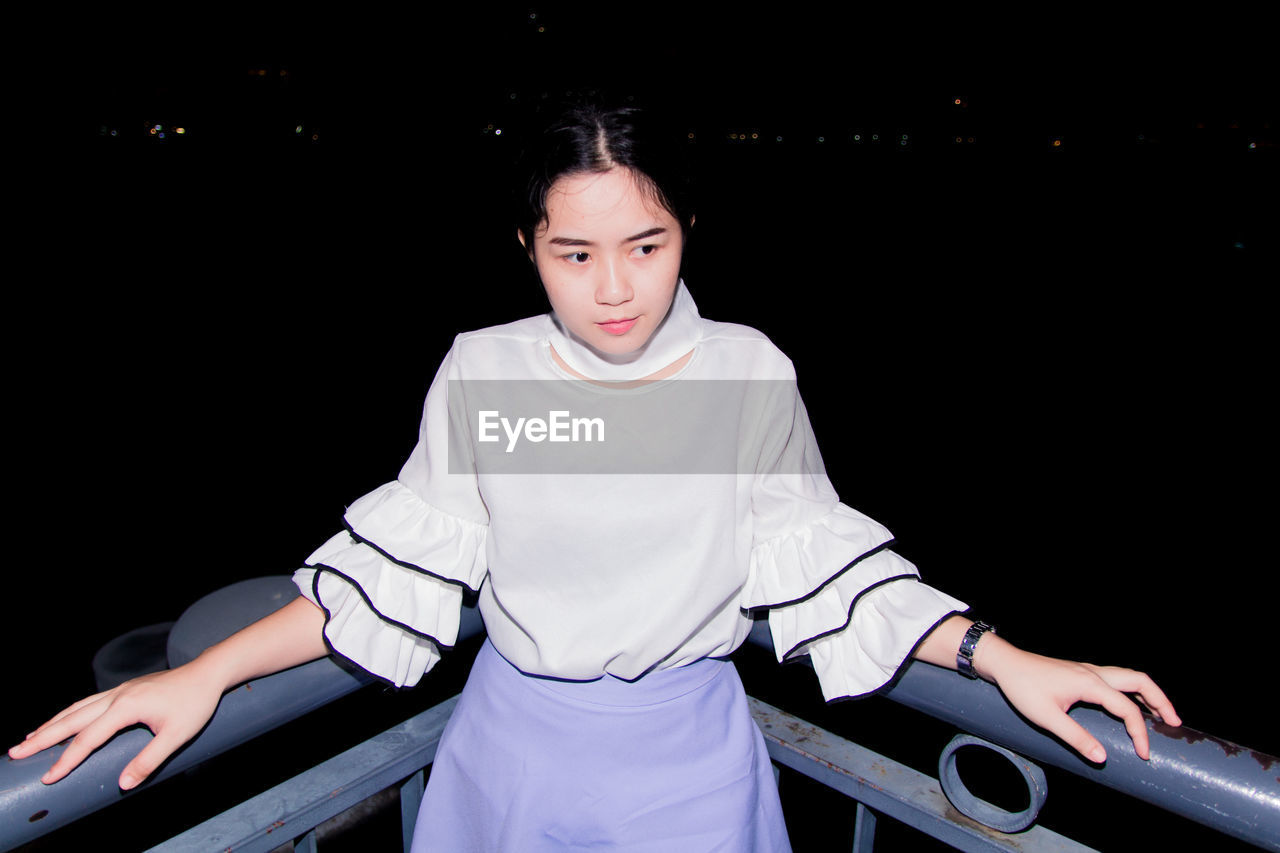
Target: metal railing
{"type": "Point", "coordinates": [1228, 788]}
{"type": "Point", "coordinates": [395, 758]}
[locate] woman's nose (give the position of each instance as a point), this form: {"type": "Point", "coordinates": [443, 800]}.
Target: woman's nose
{"type": "Point", "coordinates": [613, 288]}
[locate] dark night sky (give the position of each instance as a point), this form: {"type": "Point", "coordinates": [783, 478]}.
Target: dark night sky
{"type": "Point", "coordinates": [1041, 368]}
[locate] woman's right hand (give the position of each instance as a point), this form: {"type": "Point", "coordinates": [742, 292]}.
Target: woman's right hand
{"type": "Point", "coordinates": [175, 704]}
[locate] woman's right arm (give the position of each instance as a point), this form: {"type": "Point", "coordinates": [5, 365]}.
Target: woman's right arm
{"type": "Point", "coordinates": [175, 704]}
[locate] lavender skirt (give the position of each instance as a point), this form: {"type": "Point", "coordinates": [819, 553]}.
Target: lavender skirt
{"type": "Point", "coordinates": [671, 763]}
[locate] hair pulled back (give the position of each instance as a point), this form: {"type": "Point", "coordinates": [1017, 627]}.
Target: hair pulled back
{"type": "Point", "coordinates": [585, 139]}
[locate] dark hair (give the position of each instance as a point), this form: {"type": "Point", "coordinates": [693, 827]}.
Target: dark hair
{"type": "Point", "coordinates": [585, 139]}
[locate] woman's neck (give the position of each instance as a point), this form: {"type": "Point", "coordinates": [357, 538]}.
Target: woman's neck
{"type": "Point", "coordinates": [670, 370]}
{"type": "Point", "coordinates": [666, 351]}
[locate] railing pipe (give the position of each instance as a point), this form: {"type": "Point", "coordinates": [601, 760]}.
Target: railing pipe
{"type": "Point", "coordinates": [1229, 788]}
{"type": "Point", "coordinates": [262, 823]}
{"type": "Point", "coordinates": [31, 809]}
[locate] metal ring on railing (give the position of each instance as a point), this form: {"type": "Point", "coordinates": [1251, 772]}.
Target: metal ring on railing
{"type": "Point", "coordinates": [980, 810]}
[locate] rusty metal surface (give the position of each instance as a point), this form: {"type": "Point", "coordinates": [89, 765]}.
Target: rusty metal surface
{"type": "Point", "coordinates": [888, 787]}
{"type": "Point", "coordinates": [1219, 784]}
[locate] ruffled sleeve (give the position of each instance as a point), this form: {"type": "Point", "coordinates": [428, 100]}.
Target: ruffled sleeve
{"type": "Point", "coordinates": [391, 584]}
{"type": "Point", "coordinates": [836, 592]}
{"type": "Point", "coordinates": [825, 572]}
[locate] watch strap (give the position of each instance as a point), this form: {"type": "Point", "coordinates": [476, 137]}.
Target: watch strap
{"type": "Point", "coordinates": [964, 656]}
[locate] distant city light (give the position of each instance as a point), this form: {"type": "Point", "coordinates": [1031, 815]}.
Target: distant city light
{"type": "Point", "coordinates": [180, 130]}
{"type": "Point", "coordinates": [298, 129]}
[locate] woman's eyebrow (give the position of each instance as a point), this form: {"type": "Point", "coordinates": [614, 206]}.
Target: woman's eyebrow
{"type": "Point", "coordinates": [577, 241]}
{"type": "Point", "coordinates": [644, 235]}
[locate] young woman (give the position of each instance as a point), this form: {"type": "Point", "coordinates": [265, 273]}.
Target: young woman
{"type": "Point", "coordinates": [601, 709]}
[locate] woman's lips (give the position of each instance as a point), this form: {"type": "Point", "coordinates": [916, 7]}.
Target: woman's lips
{"type": "Point", "coordinates": [618, 327]}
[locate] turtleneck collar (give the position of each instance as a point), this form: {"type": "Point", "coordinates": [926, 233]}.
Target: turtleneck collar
{"type": "Point", "coordinates": [677, 334]}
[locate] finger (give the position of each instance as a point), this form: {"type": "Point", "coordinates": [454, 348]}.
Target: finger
{"type": "Point", "coordinates": [151, 757]}
{"type": "Point", "coordinates": [1123, 707]}
{"type": "Point", "coordinates": [1077, 737]}
{"type": "Point", "coordinates": [1141, 684]}
{"type": "Point", "coordinates": [55, 732]}
{"type": "Point", "coordinates": [24, 747]}
{"type": "Point", "coordinates": [71, 709]}
{"type": "Point", "coordinates": [1155, 699]}
{"type": "Point", "coordinates": [94, 735]}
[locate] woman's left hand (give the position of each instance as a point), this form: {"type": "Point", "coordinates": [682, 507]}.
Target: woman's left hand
{"type": "Point", "coordinates": [1043, 689]}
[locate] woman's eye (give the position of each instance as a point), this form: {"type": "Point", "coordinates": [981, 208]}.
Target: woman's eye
{"type": "Point", "coordinates": [578, 257]}
{"type": "Point", "coordinates": [645, 251]}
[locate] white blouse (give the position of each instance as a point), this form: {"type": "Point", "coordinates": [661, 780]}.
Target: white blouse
{"type": "Point", "coordinates": [599, 554]}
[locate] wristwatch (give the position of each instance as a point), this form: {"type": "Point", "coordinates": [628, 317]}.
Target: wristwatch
{"type": "Point", "coordinates": [964, 657]}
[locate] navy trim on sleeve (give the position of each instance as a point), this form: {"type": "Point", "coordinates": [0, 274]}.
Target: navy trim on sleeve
{"type": "Point", "coordinates": [357, 538]}
{"type": "Point", "coordinates": [849, 618]}
{"type": "Point", "coordinates": [321, 567]}
{"type": "Point", "coordinates": [902, 667]}
{"type": "Point", "coordinates": [315, 590]}
{"type": "Point", "coordinates": [820, 587]}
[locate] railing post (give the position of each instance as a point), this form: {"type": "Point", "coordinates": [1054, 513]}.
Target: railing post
{"type": "Point", "coordinates": [410, 798]}
{"type": "Point", "coordinates": [306, 844]}
{"type": "Point", "coordinates": [864, 830]}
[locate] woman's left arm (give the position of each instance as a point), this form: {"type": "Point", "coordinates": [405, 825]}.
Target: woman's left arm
{"type": "Point", "coordinates": [1042, 689]}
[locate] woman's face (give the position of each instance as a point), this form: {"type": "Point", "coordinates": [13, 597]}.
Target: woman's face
{"type": "Point", "coordinates": [609, 258]}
